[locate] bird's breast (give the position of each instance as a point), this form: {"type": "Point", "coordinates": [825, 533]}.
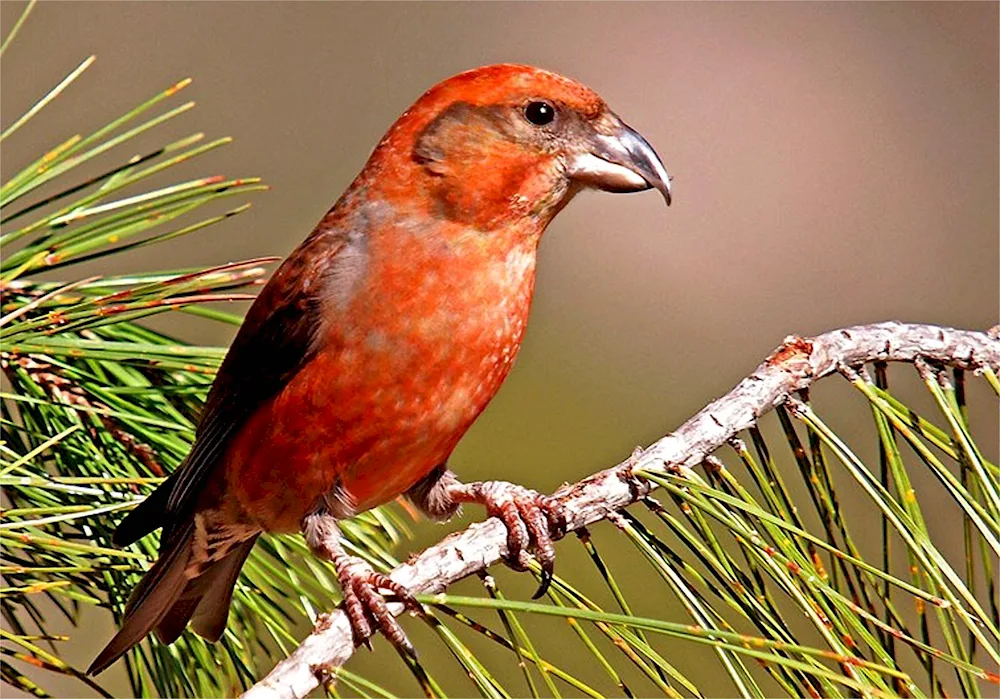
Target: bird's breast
{"type": "Point", "coordinates": [407, 364]}
{"type": "Point", "coordinates": [433, 333]}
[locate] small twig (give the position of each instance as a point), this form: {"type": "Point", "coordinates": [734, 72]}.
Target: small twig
{"type": "Point", "coordinates": [39, 300]}
{"type": "Point", "coordinates": [64, 391]}
{"type": "Point", "coordinates": [794, 366]}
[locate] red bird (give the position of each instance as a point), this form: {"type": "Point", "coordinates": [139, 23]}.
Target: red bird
{"type": "Point", "coordinates": [375, 346]}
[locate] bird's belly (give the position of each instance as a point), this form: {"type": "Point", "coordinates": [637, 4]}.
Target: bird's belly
{"type": "Point", "coordinates": [363, 425]}
{"type": "Point", "coordinates": [404, 368]}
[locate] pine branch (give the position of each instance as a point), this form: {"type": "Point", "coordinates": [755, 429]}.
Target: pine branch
{"type": "Point", "coordinates": [793, 367]}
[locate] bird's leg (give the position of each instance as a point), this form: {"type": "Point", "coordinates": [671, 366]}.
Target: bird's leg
{"type": "Point", "coordinates": [532, 520]}
{"type": "Point", "coordinates": [364, 604]}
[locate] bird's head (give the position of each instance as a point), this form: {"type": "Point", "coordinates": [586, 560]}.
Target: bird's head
{"type": "Point", "coordinates": [508, 144]}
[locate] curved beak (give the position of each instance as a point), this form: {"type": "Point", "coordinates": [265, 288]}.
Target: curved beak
{"type": "Point", "coordinates": [619, 159]}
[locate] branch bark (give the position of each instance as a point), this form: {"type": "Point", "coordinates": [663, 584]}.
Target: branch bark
{"type": "Point", "coordinates": [795, 365]}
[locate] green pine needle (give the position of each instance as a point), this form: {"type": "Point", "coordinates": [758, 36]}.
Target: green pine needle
{"type": "Point", "coordinates": [752, 559]}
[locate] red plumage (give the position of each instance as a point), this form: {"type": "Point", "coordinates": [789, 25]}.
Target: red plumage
{"type": "Point", "coordinates": [379, 341]}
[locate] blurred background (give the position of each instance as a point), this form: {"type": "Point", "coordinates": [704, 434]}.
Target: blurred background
{"type": "Point", "coordinates": [834, 164]}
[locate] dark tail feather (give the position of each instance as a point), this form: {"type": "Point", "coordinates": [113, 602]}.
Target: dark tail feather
{"type": "Point", "coordinates": [148, 515]}
{"type": "Point", "coordinates": [212, 612]}
{"type": "Point", "coordinates": [151, 600]}
{"type": "Point", "coordinates": [166, 599]}
{"type": "Point", "coordinates": [176, 619]}
{"type": "Point", "coordinates": [206, 598]}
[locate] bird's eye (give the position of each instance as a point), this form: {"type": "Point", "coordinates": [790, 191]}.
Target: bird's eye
{"type": "Point", "coordinates": [539, 113]}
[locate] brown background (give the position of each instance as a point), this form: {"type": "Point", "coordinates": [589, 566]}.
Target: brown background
{"type": "Point", "coordinates": [834, 164]}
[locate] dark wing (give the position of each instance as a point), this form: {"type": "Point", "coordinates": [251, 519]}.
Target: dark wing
{"type": "Point", "coordinates": [276, 340]}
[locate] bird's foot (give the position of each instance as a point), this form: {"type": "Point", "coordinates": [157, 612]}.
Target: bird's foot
{"type": "Point", "coordinates": [364, 604]}
{"type": "Point", "coordinates": [532, 520]}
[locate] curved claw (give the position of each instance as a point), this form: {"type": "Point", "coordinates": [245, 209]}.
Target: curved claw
{"type": "Point", "coordinates": [545, 552]}
{"type": "Point", "coordinates": [532, 521]}
{"type": "Point", "coordinates": [366, 607]}
{"type": "Point", "coordinates": [555, 522]}
{"type": "Point", "coordinates": [518, 534]}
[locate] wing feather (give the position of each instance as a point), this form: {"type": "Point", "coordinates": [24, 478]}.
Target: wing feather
{"type": "Point", "coordinates": [277, 338]}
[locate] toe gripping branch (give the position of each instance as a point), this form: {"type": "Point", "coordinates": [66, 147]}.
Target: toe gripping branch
{"type": "Point", "coordinates": [364, 604]}
{"type": "Point", "coordinates": [532, 521]}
